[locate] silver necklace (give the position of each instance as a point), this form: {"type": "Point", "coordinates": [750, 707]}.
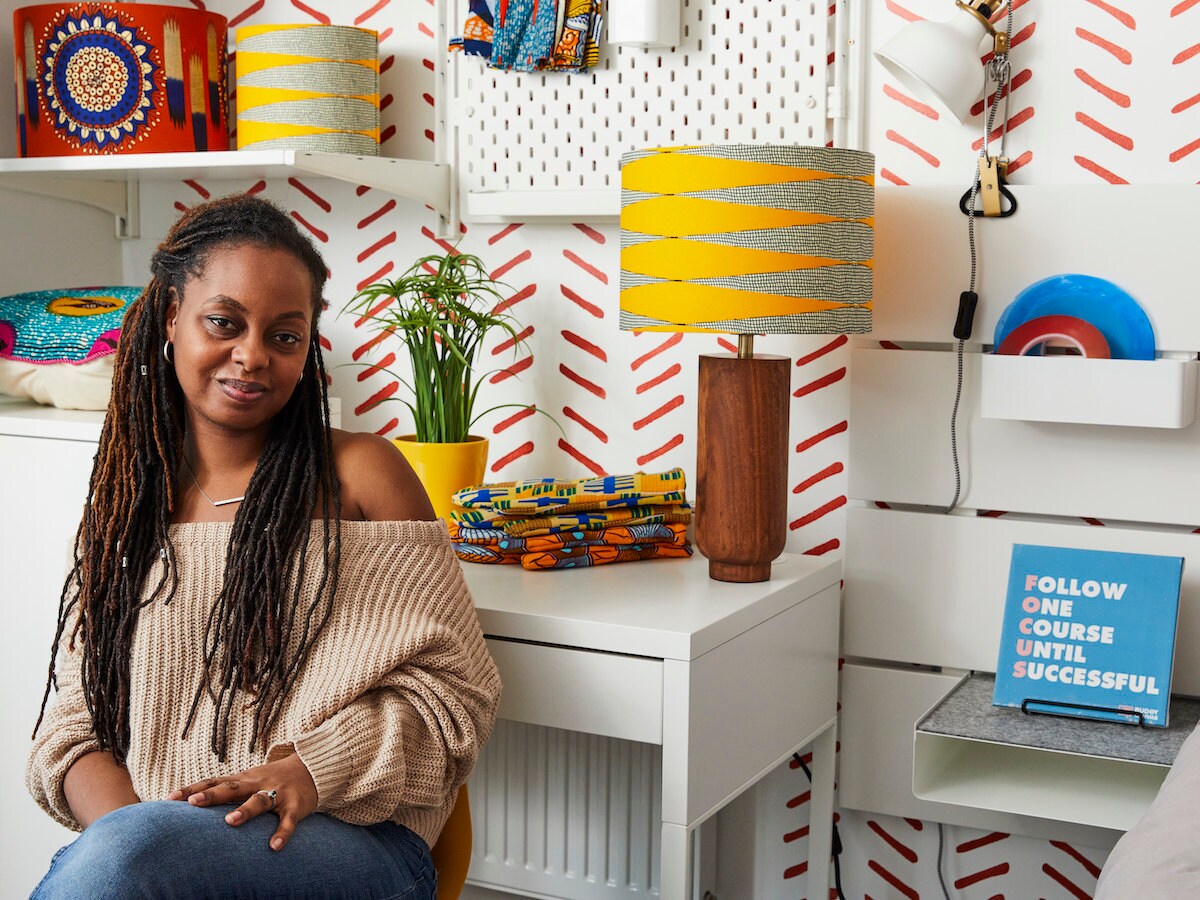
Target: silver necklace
{"type": "Point", "coordinates": [204, 494]}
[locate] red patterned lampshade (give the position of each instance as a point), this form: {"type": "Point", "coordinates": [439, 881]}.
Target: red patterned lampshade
{"type": "Point", "coordinates": [104, 78]}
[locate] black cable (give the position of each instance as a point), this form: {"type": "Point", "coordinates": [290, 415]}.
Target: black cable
{"type": "Point", "coordinates": [958, 386]}
{"type": "Point", "coordinates": [941, 845]}
{"type": "Point", "coordinates": [837, 839]}
{"type": "Point", "coordinates": [968, 299]}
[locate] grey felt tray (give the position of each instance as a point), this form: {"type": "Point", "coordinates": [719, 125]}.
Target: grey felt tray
{"type": "Point", "coordinates": [967, 712]}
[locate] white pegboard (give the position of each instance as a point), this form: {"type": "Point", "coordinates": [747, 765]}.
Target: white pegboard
{"type": "Point", "coordinates": [548, 145]}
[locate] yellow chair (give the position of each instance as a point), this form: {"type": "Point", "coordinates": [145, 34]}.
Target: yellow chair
{"type": "Point", "coordinates": [452, 850]}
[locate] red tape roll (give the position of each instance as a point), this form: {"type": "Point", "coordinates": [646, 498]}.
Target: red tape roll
{"type": "Point", "coordinates": [1083, 335]}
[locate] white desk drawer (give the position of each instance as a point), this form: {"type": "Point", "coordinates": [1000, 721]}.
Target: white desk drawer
{"type": "Point", "coordinates": [580, 690]}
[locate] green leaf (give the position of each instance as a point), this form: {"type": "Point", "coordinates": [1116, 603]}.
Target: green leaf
{"type": "Point", "coordinates": [444, 307]}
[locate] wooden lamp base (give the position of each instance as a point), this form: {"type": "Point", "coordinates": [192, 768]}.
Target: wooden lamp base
{"type": "Point", "coordinates": [741, 464]}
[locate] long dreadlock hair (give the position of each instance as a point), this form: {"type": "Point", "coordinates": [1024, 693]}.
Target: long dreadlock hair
{"type": "Point", "coordinates": [259, 613]}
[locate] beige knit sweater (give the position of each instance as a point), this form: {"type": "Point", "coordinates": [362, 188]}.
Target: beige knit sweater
{"type": "Point", "coordinates": [391, 709]}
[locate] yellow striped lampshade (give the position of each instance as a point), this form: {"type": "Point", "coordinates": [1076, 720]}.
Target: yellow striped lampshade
{"type": "Point", "coordinates": [747, 239]}
{"type": "Point", "coordinates": [308, 87]}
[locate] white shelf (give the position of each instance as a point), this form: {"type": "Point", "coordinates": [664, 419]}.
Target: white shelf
{"type": "Point", "coordinates": [1158, 393]}
{"type": "Point", "coordinates": [970, 753]}
{"type": "Point", "coordinates": [23, 418]}
{"type": "Point", "coordinates": [110, 182]}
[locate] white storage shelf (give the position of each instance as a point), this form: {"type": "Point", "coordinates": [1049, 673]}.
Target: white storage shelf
{"type": "Point", "coordinates": [110, 182]}
{"type": "Point", "coordinates": [1157, 393]}
{"type": "Point", "coordinates": [970, 753]}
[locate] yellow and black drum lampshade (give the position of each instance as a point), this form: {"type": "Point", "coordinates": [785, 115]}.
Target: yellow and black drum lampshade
{"type": "Point", "coordinates": [746, 239]}
{"type": "Point", "coordinates": [308, 87]}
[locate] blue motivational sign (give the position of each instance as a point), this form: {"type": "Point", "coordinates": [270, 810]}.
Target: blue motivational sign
{"type": "Point", "coordinates": [1089, 633]}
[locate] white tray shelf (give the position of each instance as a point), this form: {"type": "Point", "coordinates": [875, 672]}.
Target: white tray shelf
{"type": "Point", "coordinates": [110, 182]}
{"type": "Point", "coordinates": [492, 207]}
{"type": "Point", "coordinates": [1158, 393]}
{"type": "Point", "coordinates": [970, 753]}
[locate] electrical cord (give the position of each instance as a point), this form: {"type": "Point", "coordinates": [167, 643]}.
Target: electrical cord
{"type": "Point", "coordinates": [999, 69]}
{"type": "Point", "coordinates": [837, 838]}
{"type": "Point", "coordinates": [941, 849]}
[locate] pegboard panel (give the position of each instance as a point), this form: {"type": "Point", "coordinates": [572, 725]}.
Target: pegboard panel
{"type": "Point", "coordinates": [530, 145]}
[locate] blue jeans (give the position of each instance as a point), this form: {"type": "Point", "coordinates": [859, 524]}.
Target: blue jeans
{"type": "Point", "coordinates": [170, 849]}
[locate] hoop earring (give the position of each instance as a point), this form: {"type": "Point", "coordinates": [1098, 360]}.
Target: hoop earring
{"type": "Point", "coordinates": [169, 353]}
{"type": "Point", "coordinates": [301, 378]}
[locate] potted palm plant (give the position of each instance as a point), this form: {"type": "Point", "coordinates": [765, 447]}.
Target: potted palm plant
{"type": "Point", "coordinates": [445, 306]}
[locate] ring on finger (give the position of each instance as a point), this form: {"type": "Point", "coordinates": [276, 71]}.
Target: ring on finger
{"type": "Point", "coordinates": [270, 795]}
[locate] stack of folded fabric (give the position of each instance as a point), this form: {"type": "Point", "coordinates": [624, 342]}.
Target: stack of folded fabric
{"type": "Point", "coordinates": [552, 524]}
{"type": "Point", "coordinates": [533, 35]}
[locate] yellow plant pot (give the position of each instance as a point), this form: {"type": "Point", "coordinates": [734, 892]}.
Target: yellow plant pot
{"type": "Point", "coordinates": [445, 468]}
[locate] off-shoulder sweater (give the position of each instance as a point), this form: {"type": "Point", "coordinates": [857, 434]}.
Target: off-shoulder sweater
{"type": "Point", "coordinates": [388, 713]}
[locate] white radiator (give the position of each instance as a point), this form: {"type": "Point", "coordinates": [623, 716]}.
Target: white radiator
{"type": "Point", "coordinates": [561, 814]}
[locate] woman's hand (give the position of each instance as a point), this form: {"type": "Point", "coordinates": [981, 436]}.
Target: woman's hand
{"type": "Point", "coordinates": [295, 795]}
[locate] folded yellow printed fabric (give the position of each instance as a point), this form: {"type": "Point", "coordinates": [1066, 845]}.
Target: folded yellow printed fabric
{"type": "Point", "coordinates": [632, 515]}
{"type": "Point", "coordinates": [575, 557]}
{"type": "Point", "coordinates": [540, 497]}
{"type": "Point", "coordinates": [477, 553]}
{"type": "Point", "coordinates": [570, 521]}
{"type": "Point", "coordinates": [501, 541]}
{"type": "Point", "coordinates": [582, 557]}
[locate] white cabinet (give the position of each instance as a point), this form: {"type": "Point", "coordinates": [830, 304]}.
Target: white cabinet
{"type": "Point", "coordinates": [45, 461]}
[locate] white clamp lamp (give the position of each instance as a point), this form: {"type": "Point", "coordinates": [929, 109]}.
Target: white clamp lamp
{"type": "Point", "coordinates": [942, 59]}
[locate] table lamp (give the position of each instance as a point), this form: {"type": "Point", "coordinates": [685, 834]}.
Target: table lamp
{"type": "Point", "coordinates": [746, 239]}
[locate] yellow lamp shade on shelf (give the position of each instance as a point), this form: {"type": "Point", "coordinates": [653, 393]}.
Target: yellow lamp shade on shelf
{"type": "Point", "coordinates": [747, 239]}
{"type": "Point", "coordinates": [308, 87]}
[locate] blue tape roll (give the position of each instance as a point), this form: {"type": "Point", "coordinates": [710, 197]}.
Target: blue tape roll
{"type": "Point", "coordinates": [1113, 312]}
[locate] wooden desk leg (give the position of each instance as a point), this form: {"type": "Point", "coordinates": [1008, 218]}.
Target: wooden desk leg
{"type": "Point", "coordinates": [675, 870]}
{"type": "Point", "coordinates": [820, 828]}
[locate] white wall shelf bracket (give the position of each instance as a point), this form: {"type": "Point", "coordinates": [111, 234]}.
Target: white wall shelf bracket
{"type": "Point", "coordinates": [425, 182]}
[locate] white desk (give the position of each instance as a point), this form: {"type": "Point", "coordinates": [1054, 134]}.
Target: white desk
{"type": "Point", "coordinates": [729, 679]}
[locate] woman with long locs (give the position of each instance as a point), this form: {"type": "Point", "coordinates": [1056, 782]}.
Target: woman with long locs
{"type": "Point", "coordinates": [271, 681]}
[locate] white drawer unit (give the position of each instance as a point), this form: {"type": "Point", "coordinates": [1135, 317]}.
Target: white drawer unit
{"type": "Point", "coordinates": [729, 679]}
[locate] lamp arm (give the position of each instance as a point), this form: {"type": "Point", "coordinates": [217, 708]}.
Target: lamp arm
{"type": "Point", "coordinates": [984, 11]}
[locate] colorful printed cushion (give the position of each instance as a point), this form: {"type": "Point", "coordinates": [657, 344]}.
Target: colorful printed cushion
{"type": "Point", "coordinates": [57, 347]}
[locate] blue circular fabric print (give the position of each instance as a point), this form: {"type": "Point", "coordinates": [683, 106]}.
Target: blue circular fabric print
{"type": "Point", "coordinates": [1097, 301]}
{"type": "Point", "coordinates": [99, 76]}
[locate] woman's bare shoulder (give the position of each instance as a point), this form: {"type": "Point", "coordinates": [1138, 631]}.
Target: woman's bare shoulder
{"type": "Point", "coordinates": [377, 482]}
